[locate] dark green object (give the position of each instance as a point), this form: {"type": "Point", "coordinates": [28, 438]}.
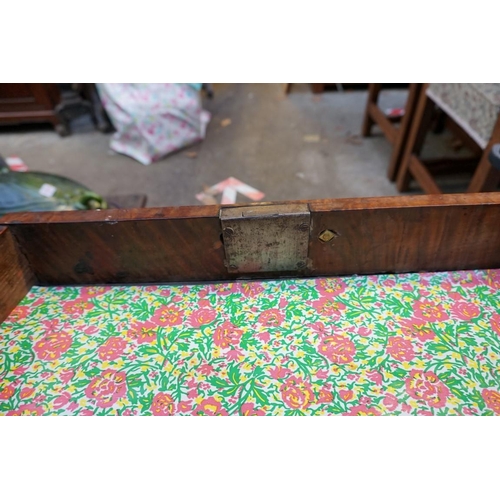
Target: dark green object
{"type": "Point", "coordinates": [38, 192]}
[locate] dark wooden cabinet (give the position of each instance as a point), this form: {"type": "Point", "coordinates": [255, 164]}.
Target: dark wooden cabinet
{"type": "Point", "coordinates": [30, 102]}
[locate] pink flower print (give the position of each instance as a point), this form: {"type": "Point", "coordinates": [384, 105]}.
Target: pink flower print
{"type": "Point", "coordinates": [469, 411]}
{"type": "Point", "coordinates": [364, 331]}
{"type": "Point", "coordinates": [107, 388]}
{"type": "Point", "coordinates": [326, 306]}
{"type": "Point", "coordinates": [465, 311]}
{"type": "Point", "coordinates": [86, 413]}
{"type": "Point", "coordinates": [362, 411]}
{"type": "Point", "coordinates": [296, 393]}
{"type": "Point", "coordinates": [211, 407]}
{"type": "Point", "coordinates": [319, 328]}
{"type": "Point", "coordinates": [193, 393]}
{"type": "Point", "coordinates": [53, 345]}
{"type": "Point", "coordinates": [325, 396]}
{"type": "Point", "coordinates": [339, 349]}
{"type": "Point", "coordinates": [248, 410]}
{"type": "Point", "coordinates": [400, 349]}
{"type": "Point", "coordinates": [375, 377]}
{"type": "Point", "coordinates": [390, 402]}
{"type": "Point", "coordinates": [169, 315]}
{"type": "Point", "coordinates": [73, 406]}
{"type": "Point", "coordinates": [322, 374]}
{"type": "Point", "coordinates": [76, 308]}
{"type": "Point", "coordinates": [278, 372]}
{"type": "Point", "coordinates": [389, 283]}
{"type": "Point", "coordinates": [226, 334]}
{"type": "Point", "coordinates": [495, 323]}
{"type": "Point", "coordinates": [20, 370]}
{"type": "Point", "coordinates": [27, 410]}
{"type": "Point", "coordinates": [206, 369]}
{"type": "Point", "coordinates": [426, 386]}
{"type": "Point", "coordinates": [346, 395]}
{"type": "Point", "coordinates": [184, 406]}
{"type": "Point", "coordinates": [233, 354]}
{"type": "Point", "coordinates": [91, 330]}
{"type": "Point", "coordinates": [202, 317]}
{"type": "Point", "coordinates": [427, 310]}
{"type": "Point", "coordinates": [251, 289]}
{"type": "Point", "coordinates": [19, 313]}
{"type": "Point", "coordinates": [27, 392]}
{"type": "Point", "coordinates": [406, 408]}
{"type": "Point", "coordinates": [271, 317]}
{"type": "Point", "coordinates": [365, 400]}
{"type": "Point", "coordinates": [455, 296]}
{"type": "Point", "coordinates": [203, 303]}
{"type": "Point", "coordinates": [111, 349]}
{"type": "Point", "coordinates": [192, 383]}
{"type": "Point", "coordinates": [330, 286]}
{"type": "Point", "coordinates": [7, 392]}
{"type": "Point", "coordinates": [264, 336]}
{"type": "Point", "coordinates": [163, 405]}
{"type": "Point", "coordinates": [143, 333]}
{"type": "Point", "coordinates": [424, 413]}
{"type": "Point", "coordinates": [492, 400]}
{"type": "Point", "coordinates": [62, 400]}
{"type": "Point", "coordinates": [283, 303]}
{"type": "Point", "coordinates": [407, 287]}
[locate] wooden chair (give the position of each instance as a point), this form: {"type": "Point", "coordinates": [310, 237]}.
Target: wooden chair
{"type": "Point", "coordinates": [473, 113]}
{"type": "Point", "coordinates": [395, 135]}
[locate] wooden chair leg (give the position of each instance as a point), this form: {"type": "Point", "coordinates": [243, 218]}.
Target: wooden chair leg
{"type": "Point", "coordinates": [373, 92]}
{"type": "Point", "coordinates": [486, 177]}
{"type": "Point", "coordinates": [404, 129]}
{"type": "Point", "coordinates": [416, 137]}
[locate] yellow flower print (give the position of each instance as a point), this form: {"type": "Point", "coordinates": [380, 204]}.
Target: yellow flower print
{"type": "Point", "coordinates": [420, 364]}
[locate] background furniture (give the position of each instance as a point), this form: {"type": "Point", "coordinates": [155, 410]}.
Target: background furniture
{"type": "Point", "coordinates": [54, 103]}
{"type": "Point", "coordinates": [395, 135]}
{"type": "Point", "coordinates": [473, 113]}
{"type": "Point", "coordinates": [31, 102]}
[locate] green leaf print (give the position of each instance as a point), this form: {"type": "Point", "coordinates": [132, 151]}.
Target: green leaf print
{"type": "Point", "coordinates": [419, 344]}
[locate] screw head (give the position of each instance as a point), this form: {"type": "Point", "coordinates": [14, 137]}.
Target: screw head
{"type": "Point", "coordinates": [232, 266]}
{"type": "Point", "coordinates": [228, 231]}
{"type": "Point", "coordinates": [327, 235]}
{"type": "Point", "coordinates": [301, 265]}
{"type": "Point", "coordinates": [304, 226]}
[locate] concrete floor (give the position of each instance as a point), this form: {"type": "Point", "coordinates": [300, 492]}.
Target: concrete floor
{"type": "Point", "coordinates": [265, 146]}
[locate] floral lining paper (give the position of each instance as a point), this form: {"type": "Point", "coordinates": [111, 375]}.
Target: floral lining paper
{"type": "Point", "coordinates": [412, 344]}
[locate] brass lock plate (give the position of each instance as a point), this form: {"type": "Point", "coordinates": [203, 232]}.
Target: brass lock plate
{"type": "Point", "coordinates": [265, 238]}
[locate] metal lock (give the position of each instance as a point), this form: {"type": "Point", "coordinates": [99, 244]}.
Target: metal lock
{"type": "Point", "coordinates": [266, 238]}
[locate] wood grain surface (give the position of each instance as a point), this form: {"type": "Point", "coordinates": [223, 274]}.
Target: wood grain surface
{"type": "Point", "coordinates": [176, 244]}
{"type": "Point", "coordinates": [16, 278]}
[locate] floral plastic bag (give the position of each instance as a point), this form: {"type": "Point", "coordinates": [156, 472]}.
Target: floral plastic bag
{"type": "Point", "coordinates": [153, 119]}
